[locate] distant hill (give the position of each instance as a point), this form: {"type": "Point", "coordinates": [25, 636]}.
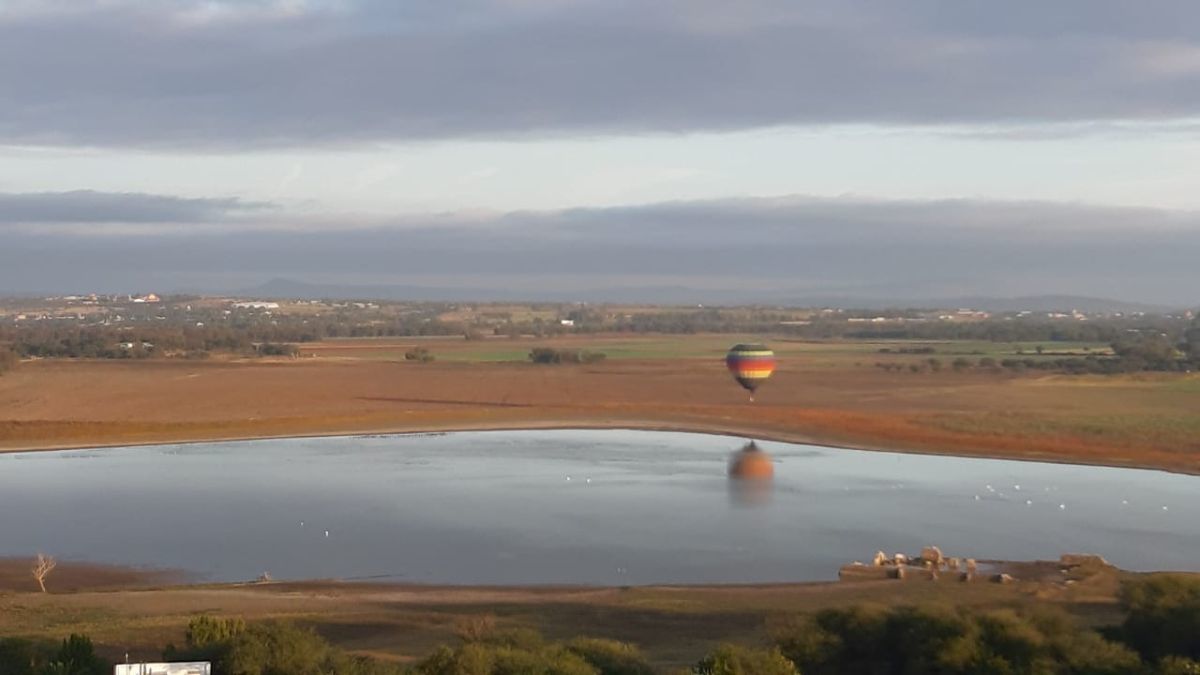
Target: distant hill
{"type": "Point", "coordinates": [680, 295]}
{"type": "Point", "coordinates": [1033, 303]}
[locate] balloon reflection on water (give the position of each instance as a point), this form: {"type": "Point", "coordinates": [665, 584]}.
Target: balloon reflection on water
{"type": "Point", "coordinates": [751, 474]}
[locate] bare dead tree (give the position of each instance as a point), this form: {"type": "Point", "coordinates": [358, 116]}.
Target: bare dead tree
{"type": "Point", "coordinates": [43, 565]}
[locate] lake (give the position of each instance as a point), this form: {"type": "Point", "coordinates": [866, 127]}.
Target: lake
{"type": "Point", "coordinates": [611, 507]}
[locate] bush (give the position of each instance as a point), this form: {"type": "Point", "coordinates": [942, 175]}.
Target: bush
{"type": "Point", "coordinates": [734, 660]}
{"type": "Point", "coordinates": [1174, 665]}
{"type": "Point", "coordinates": [277, 349]}
{"type": "Point", "coordinates": [911, 640]}
{"type": "Point", "coordinates": [419, 354]}
{"type": "Point", "coordinates": [77, 657]}
{"type": "Point", "coordinates": [17, 657]}
{"type": "Point", "coordinates": [1164, 616]}
{"type": "Point", "coordinates": [489, 659]}
{"type": "Point", "coordinates": [235, 648]}
{"type": "Point", "coordinates": [73, 656]}
{"type": "Point", "coordinates": [610, 657]}
{"type": "Point", "coordinates": [551, 355]}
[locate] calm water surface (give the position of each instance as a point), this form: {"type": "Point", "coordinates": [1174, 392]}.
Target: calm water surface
{"type": "Point", "coordinates": [596, 507]}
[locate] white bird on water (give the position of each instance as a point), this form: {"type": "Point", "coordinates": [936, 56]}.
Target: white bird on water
{"type": "Point", "coordinates": [326, 533]}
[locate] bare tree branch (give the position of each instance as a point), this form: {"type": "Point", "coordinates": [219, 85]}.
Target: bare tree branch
{"type": "Point", "coordinates": [43, 565]}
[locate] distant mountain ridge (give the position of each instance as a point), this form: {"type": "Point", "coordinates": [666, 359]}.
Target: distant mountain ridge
{"type": "Point", "coordinates": [679, 295]}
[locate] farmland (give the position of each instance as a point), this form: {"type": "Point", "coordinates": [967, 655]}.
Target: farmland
{"type": "Point", "coordinates": [832, 392]}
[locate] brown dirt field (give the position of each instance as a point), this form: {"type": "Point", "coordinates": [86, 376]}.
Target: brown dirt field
{"type": "Point", "coordinates": [1132, 421]}
{"type": "Point", "coordinates": [16, 576]}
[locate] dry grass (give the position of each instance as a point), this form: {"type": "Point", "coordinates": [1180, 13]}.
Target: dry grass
{"type": "Point", "coordinates": [673, 625]}
{"type": "Point", "coordinates": [823, 392]}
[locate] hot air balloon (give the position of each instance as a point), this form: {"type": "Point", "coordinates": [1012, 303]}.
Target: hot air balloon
{"type": "Point", "coordinates": [750, 365]}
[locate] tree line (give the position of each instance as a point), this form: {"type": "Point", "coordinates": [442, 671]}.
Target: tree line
{"type": "Point", "coordinates": [1139, 353]}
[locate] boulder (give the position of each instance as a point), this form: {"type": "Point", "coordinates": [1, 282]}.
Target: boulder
{"type": "Point", "coordinates": [1003, 578]}
{"type": "Point", "coordinates": [932, 554]}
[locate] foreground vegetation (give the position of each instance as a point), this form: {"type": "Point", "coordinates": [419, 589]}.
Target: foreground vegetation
{"type": "Point", "coordinates": [1158, 633]}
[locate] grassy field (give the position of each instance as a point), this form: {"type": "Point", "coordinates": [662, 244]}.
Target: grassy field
{"type": "Point", "coordinates": [693, 347]}
{"type": "Point", "coordinates": [825, 392]}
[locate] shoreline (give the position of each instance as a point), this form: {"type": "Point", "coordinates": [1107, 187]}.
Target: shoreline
{"type": "Point", "coordinates": [733, 431]}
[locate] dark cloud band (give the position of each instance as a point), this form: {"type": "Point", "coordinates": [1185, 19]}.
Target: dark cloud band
{"type": "Point", "coordinates": [138, 75]}
{"type": "Point", "coordinates": [792, 245]}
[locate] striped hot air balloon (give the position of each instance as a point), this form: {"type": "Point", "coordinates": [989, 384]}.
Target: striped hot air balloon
{"type": "Point", "coordinates": [750, 365]}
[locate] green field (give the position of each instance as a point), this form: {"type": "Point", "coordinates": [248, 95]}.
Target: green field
{"type": "Point", "coordinates": [814, 353]}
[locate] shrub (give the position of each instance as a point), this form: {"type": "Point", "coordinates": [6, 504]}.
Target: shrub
{"type": "Point", "coordinates": [277, 349]}
{"type": "Point", "coordinates": [475, 628]}
{"type": "Point", "coordinates": [1175, 665]}
{"type": "Point", "coordinates": [419, 354]}
{"type": "Point", "coordinates": [1164, 616]}
{"type": "Point", "coordinates": [551, 355]}
{"type": "Point", "coordinates": [77, 657]}
{"type": "Point", "coordinates": [490, 659]}
{"type": "Point", "coordinates": [611, 657]}
{"type": "Point", "coordinates": [235, 648]}
{"type": "Point", "coordinates": [17, 657]}
{"type": "Point", "coordinates": [73, 656]}
{"type": "Point", "coordinates": [734, 660]}
{"type": "Point", "coordinates": [913, 640]}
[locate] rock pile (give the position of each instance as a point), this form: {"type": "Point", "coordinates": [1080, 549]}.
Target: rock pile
{"type": "Point", "coordinates": [930, 564]}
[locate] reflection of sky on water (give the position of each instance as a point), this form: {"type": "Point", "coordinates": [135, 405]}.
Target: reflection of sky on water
{"type": "Point", "coordinates": [609, 507]}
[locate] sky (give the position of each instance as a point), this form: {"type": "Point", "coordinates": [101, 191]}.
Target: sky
{"type": "Point", "coordinates": [930, 148]}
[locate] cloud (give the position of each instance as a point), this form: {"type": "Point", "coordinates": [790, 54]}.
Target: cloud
{"type": "Point", "coordinates": [90, 207]}
{"type": "Point", "coordinates": [789, 244]}
{"type": "Point", "coordinates": [230, 75]}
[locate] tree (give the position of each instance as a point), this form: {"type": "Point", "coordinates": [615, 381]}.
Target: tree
{"type": "Point", "coordinates": [43, 565]}
{"type": "Point", "coordinates": [76, 656]}
{"type": "Point", "coordinates": [8, 360]}
{"type": "Point", "coordinates": [1191, 341]}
